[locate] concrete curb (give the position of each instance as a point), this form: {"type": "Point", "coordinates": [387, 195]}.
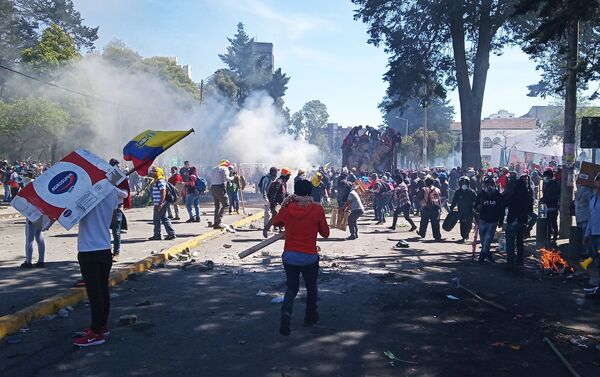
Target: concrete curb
{"type": "Point", "coordinates": [11, 323]}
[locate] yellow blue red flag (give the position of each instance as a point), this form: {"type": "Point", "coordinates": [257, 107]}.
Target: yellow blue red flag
{"type": "Point", "coordinates": [145, 147]}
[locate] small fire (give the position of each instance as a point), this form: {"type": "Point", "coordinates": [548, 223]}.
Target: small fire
{"type": "Point", "coordinates": [551, 261]}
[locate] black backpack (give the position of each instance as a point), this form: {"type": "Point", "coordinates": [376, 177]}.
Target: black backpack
{"type": "Point", "coordinates": [274, 194]}
{"type": "Point", "coordinates": [171, 195]}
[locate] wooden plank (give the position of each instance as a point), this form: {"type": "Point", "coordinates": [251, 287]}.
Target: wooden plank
{"type": "Point", "coordinates": [261, 245]}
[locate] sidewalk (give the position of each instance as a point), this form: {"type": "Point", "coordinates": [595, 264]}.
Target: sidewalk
{"type": "Point", "coordinates": [21, 288]}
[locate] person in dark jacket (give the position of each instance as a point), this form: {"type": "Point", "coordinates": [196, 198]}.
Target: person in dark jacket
{"type": "Point", "coordinates": [489, 206]}
{"type": "Point", "coordinates": [464, 198]}
{"type": "Point", "coordinates": [551, 198]}
{"type": "Point", "coordinates": [520, 204]}
{"type": "Point", "coordinates": [303, 220]}
{"type": "Point", "coordinates": [431, 205]}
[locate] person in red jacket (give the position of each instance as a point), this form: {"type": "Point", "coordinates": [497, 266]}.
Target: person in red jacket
{"type": "Point", "coordinates": [303, 220]}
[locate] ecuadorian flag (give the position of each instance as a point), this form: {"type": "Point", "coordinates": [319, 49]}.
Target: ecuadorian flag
{"type": "Point", "coordinates": [145, 147]}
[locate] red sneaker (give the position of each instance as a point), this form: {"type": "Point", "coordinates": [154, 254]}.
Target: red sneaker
{"type": "Point", "coordinates": [89, 339]}
{"type": "Point", "coordinates": [104, 331]}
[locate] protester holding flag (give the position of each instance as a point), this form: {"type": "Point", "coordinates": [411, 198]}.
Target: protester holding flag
{"type": "Point", "coordinates": [160, 202]}
{"type": "Point", "coordinates": [95, 262]}
{"type": "Point", "coordinates": [218, 190]}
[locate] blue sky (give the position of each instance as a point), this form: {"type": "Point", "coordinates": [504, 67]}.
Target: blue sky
{"type": "Point", "coordinates": [317, 43]}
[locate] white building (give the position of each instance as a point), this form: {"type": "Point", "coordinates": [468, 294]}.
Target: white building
{"type": "Point", "coordinates": [516, 136]}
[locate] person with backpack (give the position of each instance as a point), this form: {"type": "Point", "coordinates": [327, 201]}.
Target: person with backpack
{"type": "Point", "coordinates": [464, 199]}
{"type": "Point", "coordinates": [263, 188]}
{"type": "Point", "coordinates": [401, 199]}
{"type": "Point", "coordinates": [276, 195]}
{"type": "Point", "coordinates": [192, 196]}
{"type": "Point", "coordinates": [490, 209]}
{"type": "Point", "coordinates": [161, 197]}
{"type": "Point", "coordinates": [177, 181]}
{"type": "Point", "coordinates": [303, 220]}
{"type": "Point", "coordinates": [431, 205]}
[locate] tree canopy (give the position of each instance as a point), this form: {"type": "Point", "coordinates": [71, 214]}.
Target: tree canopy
{"type": "Point", "coordinates": [435, 46]}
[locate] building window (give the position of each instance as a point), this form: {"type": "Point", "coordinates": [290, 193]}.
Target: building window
{"type": "Point", "coordinates": [497, 141]}
{"type": "Point", "coordinates": [487, 143]}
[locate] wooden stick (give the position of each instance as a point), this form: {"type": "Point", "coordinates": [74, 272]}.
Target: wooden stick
{"type": "Point", "coordinates": [562, 358]}
{"type": "Point", "coordinates": [261, 245]}
{"type": "Point", "coordinates": [497, 306]}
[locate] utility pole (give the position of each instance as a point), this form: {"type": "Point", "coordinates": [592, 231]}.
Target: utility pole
{"type": "Point", "coordinates": [425, 134]}
{"type": "Point", "coordinates": [568, 163]}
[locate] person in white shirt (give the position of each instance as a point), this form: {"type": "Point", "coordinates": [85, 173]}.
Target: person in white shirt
{"type": "Point", "coordinates": [95, 261]}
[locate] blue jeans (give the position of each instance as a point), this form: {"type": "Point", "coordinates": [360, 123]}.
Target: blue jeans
{"type": "Point", "coordinates": [514, 237]}
{"type": "Point", "coordinates": [6, 192]}
{"type": "Point", "coordinates": [116, 231]}
{"type": "Point", "coordinates": [160, 216]}
{"type": "Point", "coordinates": [234, 201]}
{"type": "Point", "coordinates": [192, 200]}
{"type": "Point", "coordinates": [379, 207]}
{"type": "Point", "coordinates": [310, 274]}
{"type": "Point", "coordinates": [486, 235]}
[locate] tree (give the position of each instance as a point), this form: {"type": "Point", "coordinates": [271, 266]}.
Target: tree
{"type": "Point", "coordinates": [31, 127]}
{"type": "Point", "coordinates": [315, 116]}
{"type": "Point", "coordinates": [439, 45]}
{"type": "Point", "coordinates": [118, 54]}
{"type": "Point", "coordinates": [251, 71]}
{"type": "Point", "coordinates": [40, 14]}
{"type": "Point", "coordinates": [552, 130]}
{"type": "Point", "coordinates": [439, 115]}
{"type": "Point", "coordinates": [54, 49]}
{"type": "Point", "coordinates": [296, 125]}
{"type": "Point", "coordinates": [558, 27]}
{"type": "Point", "coordinates": [167, 69]}
{"type": "Point", "coordinates": [223, 83]}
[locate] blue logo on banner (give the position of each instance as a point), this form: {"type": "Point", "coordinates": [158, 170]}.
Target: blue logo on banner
{"type": "Point", "coordinates": [67, 213]}
{"type": "Point", "coordinates": [63, 182]}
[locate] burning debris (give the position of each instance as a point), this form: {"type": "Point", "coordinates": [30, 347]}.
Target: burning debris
{"type": "Point", "coordinates": [552, 263]}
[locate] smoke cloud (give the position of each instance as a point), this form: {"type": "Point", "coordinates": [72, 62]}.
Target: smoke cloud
{"type": "Point", "coordinates": [138, 101]}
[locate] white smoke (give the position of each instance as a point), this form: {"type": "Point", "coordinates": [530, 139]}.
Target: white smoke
{"type": "Point", "coordinates": [136, 101]}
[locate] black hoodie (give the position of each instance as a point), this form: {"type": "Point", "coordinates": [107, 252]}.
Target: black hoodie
{"type": "Point", "coordinates": [490, 206]}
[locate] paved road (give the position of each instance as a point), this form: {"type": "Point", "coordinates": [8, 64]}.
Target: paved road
{"type": "Point", "coordinates": [373, 299]}
{"type": "Point", "coordinates": [20, 288]}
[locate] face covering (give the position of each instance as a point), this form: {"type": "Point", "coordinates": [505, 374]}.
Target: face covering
{"type": "Point", "coordinates": [465, 187]}
{"type": "Point", "coordinates": [546, 179]}
{"type": "Point", "coordinates": [489, 188]}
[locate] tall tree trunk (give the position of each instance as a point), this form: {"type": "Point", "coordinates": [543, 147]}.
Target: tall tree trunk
{"type": "Point", "coordinates": [566, 196]}
{"type": "Point", "coordinates": [471, 96]}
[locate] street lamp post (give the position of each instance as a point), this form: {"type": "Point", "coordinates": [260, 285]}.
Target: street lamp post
{"type": "Point", "coordinates": [424, 92]}
{"type": "Point", "coordinates": [405, 136]}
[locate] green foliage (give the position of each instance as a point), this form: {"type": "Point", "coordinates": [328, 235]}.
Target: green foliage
{"type": "Point", "coordinates": [118, 54]}
{"type": "Point", "coordinates": [167, 69]}
{"type": "Point", "coordinates": [543, 38]}
{"type": "Point", "coordinates": [251, 71]}
{"type": "Point", "coordinates": [54, 49]}
{"type": "Point", "coordinates": [440, 115]}
{"type": "Point", "coordinates": [30, 126]}
{"type": "Point", "coordinates": [223, 83]}
{"type": "Point", "coordinates": [553, 130]}
{"type": "Point", "coordinates": [311, 117]}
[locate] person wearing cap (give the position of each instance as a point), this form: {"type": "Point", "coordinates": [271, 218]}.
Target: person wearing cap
{"type": "Point", "coordinates": [303, 220]}
{"type": "Point", "coordinates": [551, 198]}
{"type": "Point", "coordinates": [276, 194]}
{"type": "Point", "coordinates": [159, 200]}
{"type": "Point", "coordinates": [218, 189]}
{"type": "Point", "coordinates": [300, 176]}
{"type": "Point", "coordinates": [263, 188]}
{"type": "Point", "coordinates": [490, 209]}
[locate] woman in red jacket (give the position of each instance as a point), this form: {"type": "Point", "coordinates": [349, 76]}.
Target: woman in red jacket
{"type": "Point", "coordinates": [303, 219]}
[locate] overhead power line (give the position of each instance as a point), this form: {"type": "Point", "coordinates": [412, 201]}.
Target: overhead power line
{"type": "Point", "coordinates": [90, 96]}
